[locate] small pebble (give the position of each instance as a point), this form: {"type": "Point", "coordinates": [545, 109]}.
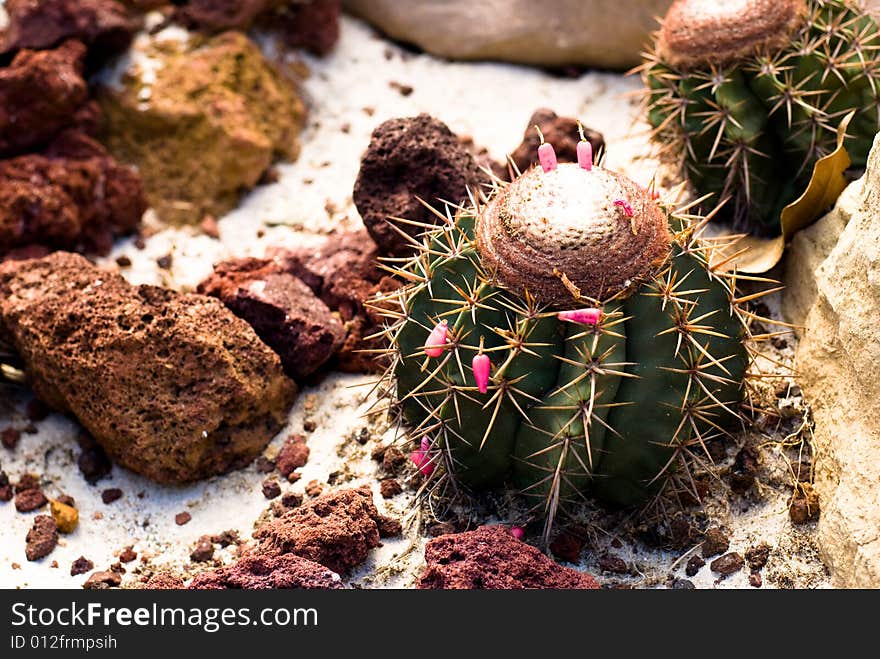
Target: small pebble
{"type": "Point", "coordinates": [110, 495]}
{"type": "Point", "coordinates": [182, 518]}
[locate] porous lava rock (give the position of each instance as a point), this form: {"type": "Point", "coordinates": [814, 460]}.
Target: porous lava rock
{"type": "Point", "coordinates": [283, 311]}
{"type": "Point", "coordinates": [342, 269]}
{"type": "Point", "coordinates": [411, 160]}
{"type": "Point", "coordinates": [106, 26]}
{"type": "Point", "coordinates": [337, 529]}
{"type": "Point", "coordinates": [173, 386]}
{"type": "Point", "coordinates": [71, 196]}
{"type": "Point", "coordinates": [259, 572]}
{"type": "Point", "coordinates": [491, 558]}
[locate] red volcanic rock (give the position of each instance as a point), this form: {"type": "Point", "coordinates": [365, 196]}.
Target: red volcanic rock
{"type": "Point", "coordinates": [283, 311]}
{"type": "Point", "coordinates": [258, 572]}
{"type": "Point", "coordinates": [343, 271]}
{"type": "Point", "coordinates": [311, 25]}
{"type": "Point", "coordinates": [293, 455]}
{"type": "Point", "coordinates": [72, 196]}
{"type": "Point", "coordinates": [172, 386]}
{"type": "Point", "coordinates": [491, 558]}
{"type": "Point", "coordinates": [106, 26]}
{"type": "Point", "coordinates": [337, 530]}
{"type": "Point", "coordinates": [411, 160]}
{"type": "Point", "coordinates": [164, 581]}
{"type": "Point", "coordinates": [40, 91]}
{"type": "Point", "coordinates": [220, 15]}
{"type": "Point", "coordinates": [561, 132]}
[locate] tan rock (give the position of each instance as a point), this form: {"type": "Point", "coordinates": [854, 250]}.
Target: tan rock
{"type": "Point", "coordinates": [203, 124]}
{"type": "Point", "coordinates": [809, 249]}
{"type": "Point", "coordinates": [600, 33]}
{"type": "Point", "coordinates": [837, 368]}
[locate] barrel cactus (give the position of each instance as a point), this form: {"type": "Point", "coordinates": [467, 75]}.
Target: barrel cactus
{"type": "Point", "coordinates": [564, 334]}
{"type": "Point", "coordinates": [746, 96]}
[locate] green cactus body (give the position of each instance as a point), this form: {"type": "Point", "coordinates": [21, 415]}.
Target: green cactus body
{"type": "Point", "coordinates": [748, 119]}
{"type": "Point", "coordinates": [572, 408]}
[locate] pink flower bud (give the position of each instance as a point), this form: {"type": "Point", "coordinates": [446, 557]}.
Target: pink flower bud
{"type": "Point", "coordinates": [436, 343]}
{"type": "Point", "coordinates": [582, 316]}
{"type": "Point", "coordinates": [422, 460]}
{"type": "Point", "coordinates": [547, 157]}
{"type": "Point", "coordinates": [425, 445]}
{"type": "Point", "coordinates": [585, 155]}
{"type": "Point", "coordinates": [482, 366]}
{"type": "Point", "coordinates": [624, 204]}
{"type": "Point", "coordinates": [517, 532]}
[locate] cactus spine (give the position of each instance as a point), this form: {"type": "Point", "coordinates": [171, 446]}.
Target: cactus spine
{"type": "Point", "coordinates": [745, 97]}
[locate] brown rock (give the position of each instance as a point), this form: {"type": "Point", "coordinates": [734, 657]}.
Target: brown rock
{"type": "Point", "coordinates": [42, 538]}
{"type": "Point", "coordinates": [203, 551]}
{"type": "Point", "coordinates": [164, 581]}
{"type": "Point", "coordinates": [183, 518]}
{"type": "Point", "coordinates": [343, 271]}
{"type": "Point", "coordinates": [102, 580]}
{"type": "Point", "coordinates": [491, 558]}
{"type": "Point", "coordinates": [757, 556]}
{"type": "Point", "coordinates": [105, 25]}
{"type": "Point", "coordinates": [110, 495]}
{"type": "Point", "coordinates": [29, 500]}
{"type": "Point", "coordinates": [337, 529]}
{"type": "Point", "coordinates": [94, 464]}
{"type": "Point", "coordinates": [804, 505]}
{"type": "Point", "coordinates": [756, 580]}
{"type": "Point", "coordinates": [127, 555]}
{"type": "Point", "coordinates": [220, 99]}
{"type": "Point", "coordinates": [312, 25]}
{"type": "Point", "coordinates": [80, 566]}
{"type": "Point", "coordinates": [727, 564]}
{"type": "Point", "coordinates": [567, 546]}
{"type": "Point", "coordinates": [173, 386]}
{"type": "Point", "coordinates": [693, 565]}
{"type": "Point", "coordinates": [745, 468]}
{"type": "Point", "coordinates": [27, 482]}
{"type": "Point", "coordinates": [220, 15]}
{"type": "Point", "coordinates": [715, 542]}
{"type": "Point", "coordinates": [265, 572]}
{"type": "Point", "coordinates": [561, 132]}
{"type": "Point", "coordinates": [293, 455]}
{"type": "Point", "coordinates": [73, 195]}
{"type": "Point", "coordinates": [389, 487]}
{"type": "Point", "coordinates": [614, 564]}
{"type": "Point", "coordinates": [409, 159]}
{"type": "Point", "coordinates": [271, 488]}
{"type": "Point", "coordinates": [66, 516]}
{"type": "Point", "coordinates": [283, 311]}
{"type": "Point", "coordinates": [39, 93]}
{"type": "Point", "coordinates": [314, 488]}
{"type": "Point", "coordinates": [9, 437]}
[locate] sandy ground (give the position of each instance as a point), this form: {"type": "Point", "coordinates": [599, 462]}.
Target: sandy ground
{"type": "Point", "coordinates": [349, 94]}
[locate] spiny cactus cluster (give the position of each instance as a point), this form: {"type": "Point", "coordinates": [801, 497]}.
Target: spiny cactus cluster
{"type": "Point", "coordinates": [567, 335]}
{"type": "Point", "coordinates": [747, 96]}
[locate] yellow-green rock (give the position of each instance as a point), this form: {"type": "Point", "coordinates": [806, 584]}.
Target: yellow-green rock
{"type": "Point", "coordinates": [202, 120]}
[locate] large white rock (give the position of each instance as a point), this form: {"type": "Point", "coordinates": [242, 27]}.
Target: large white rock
{"type": "Point", "coordinates": [837, 364]}
{"type": "Point", "coordinates": [599, 33]}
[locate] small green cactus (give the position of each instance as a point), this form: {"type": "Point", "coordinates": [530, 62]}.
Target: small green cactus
{"type": "Point", "coordinates": [746, 96]}
{"type": "Point", "coordinates": [567, 336]}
